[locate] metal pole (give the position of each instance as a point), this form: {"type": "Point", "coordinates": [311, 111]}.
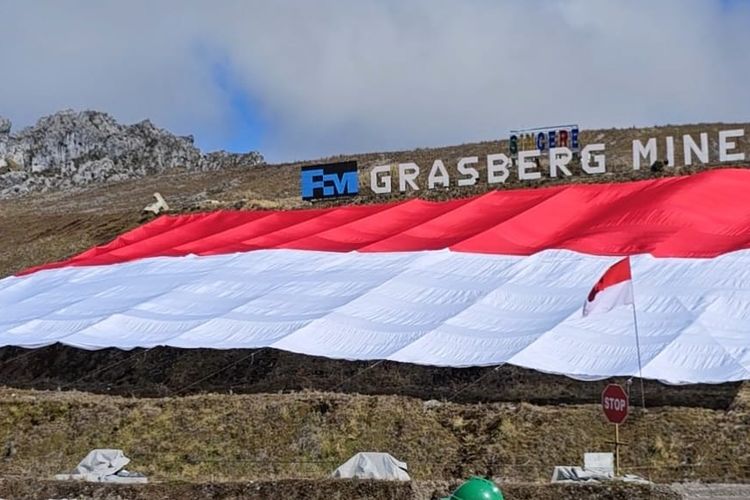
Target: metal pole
{"type": "Point", "coordinates": [637, 342]}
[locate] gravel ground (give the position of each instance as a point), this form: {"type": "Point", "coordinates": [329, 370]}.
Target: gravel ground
{"type": "Point", "coordinates": [697, 491]}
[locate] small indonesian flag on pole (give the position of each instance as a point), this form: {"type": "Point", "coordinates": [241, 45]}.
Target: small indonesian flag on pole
{"type": "Point", "coordinates": [614, 288]}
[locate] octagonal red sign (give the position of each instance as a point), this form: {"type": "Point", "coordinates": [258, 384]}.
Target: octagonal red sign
{"type": "Point", "coordinates": [615, 403]}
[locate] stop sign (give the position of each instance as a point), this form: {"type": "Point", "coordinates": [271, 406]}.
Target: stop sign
{"type": "Point", "coordinates": [615, 403]}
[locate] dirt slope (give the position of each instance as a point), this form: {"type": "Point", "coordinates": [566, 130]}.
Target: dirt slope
{"type": "Point", "coordinates": [177, 372]}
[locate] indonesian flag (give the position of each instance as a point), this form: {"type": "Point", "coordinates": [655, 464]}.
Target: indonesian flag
{"type": "Point", "coordinates": [478, 281]}
{"type": "Point", "coordinates": [614, 288]}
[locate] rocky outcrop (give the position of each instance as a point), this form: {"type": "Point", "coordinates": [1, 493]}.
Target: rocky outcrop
{"type": "Point", "coordinates": [4, 126]}
{"type": "Point", "coordinates": [72, 149]}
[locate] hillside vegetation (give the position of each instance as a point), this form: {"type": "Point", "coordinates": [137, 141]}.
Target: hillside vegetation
{"type": "Point", "coordinates": [308, 434]}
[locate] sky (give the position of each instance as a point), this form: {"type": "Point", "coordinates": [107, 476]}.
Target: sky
{"type": "Point", "coordinates": [304, 79]}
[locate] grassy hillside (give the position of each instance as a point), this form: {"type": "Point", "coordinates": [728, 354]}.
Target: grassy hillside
{"type": "Point", "coordinates": [306, 435]}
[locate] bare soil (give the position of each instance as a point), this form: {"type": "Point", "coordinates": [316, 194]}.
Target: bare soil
{"type": "Point", "coordinates": [165, 371]}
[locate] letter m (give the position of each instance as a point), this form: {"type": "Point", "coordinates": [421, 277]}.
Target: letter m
{"type": "Point", "coordinates": [346, 183]}
{"type": "Point", "coordinates": [647, 152]}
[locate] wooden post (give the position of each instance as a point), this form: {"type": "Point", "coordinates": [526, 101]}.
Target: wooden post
{"type": "Point", "coordinates": [617, 450]}
{"type": "Point", "coordinates": [617, 444]}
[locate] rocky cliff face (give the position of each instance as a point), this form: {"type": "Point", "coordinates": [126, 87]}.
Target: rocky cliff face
{"type": "Point", "coordinates": [72, 149]}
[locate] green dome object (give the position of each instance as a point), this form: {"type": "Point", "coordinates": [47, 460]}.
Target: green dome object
{"type": "Point", "coordinates": [477, 488]}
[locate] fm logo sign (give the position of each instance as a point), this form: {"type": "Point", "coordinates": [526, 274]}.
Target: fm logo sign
{"type": "Point", "coordinates": [329, 180]}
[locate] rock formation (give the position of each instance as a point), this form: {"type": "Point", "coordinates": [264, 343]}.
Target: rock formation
{"type": "Point", "coordinates": [72, 149]}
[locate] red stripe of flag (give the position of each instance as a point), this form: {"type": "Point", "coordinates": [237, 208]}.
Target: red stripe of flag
{"type": "Point", "coordinates": [617, 273]}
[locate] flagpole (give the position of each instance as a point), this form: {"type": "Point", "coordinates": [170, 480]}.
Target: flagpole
{"type": "Point", "coordinates": [637, 341]}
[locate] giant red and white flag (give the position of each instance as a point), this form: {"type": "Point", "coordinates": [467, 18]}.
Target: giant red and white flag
{"type": "Point", "coordinates": [477, 281]}
{"type": "Point", "coordinates": [614, 288]}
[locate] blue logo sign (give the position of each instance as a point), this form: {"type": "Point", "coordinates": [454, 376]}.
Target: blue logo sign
{"type": "Point", "coordinates": [329, 180]}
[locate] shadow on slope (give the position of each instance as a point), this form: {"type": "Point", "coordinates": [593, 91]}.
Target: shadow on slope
{"type": "Point", "coordinates": [165, 371]}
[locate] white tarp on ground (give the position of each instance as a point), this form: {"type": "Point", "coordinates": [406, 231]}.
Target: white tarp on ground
{"type": "Point", "coordinates": [568, 474]}
{"type": "Point", "coordinates": [104, 466]}
{"type": "Point", "coordinates": [372, 465]}
{"type": "Point", "coordinates": [430, 307]}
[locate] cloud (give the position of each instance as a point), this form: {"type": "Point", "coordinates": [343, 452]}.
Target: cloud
{"type": "Point", "coordinates": [315, 78]}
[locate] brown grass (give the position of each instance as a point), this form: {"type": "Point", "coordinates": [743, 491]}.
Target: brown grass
{"type": "Point", "coordinates": [306, 435]}
{"type": "Point", "coordinates": [322, 490]}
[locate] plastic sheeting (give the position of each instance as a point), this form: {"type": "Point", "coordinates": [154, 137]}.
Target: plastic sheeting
{"type": "Point", "coordinates": [104, 466]}
{"type": "Point", "coordinates": [438, 308]}
{"type": "Point", "coordinates": [373, 465]}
